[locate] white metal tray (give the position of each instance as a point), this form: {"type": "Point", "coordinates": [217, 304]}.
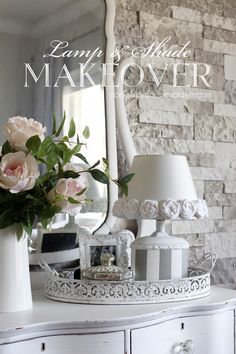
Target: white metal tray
{"type": "Point", "coordinates": [125, 292]}
{"type": "Point", "coordinates": [197, 285]}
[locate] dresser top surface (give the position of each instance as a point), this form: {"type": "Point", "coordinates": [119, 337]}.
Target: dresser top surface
{"type": "Point", "coordinates": [52, 315]}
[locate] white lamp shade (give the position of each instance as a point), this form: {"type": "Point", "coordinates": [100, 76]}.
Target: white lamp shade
{"type": "Point", "coordinates": [161, 177]}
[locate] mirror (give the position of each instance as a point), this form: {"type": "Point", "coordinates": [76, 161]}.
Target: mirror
{"type": "Point", "coordinates": [51, 59]}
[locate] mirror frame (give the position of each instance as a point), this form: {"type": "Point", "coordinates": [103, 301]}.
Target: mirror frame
{"type": "Point", "coordinates": [110, 116]}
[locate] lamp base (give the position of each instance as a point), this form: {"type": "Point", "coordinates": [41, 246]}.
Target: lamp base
{"type": "Point", "coordinates": [159, 257]}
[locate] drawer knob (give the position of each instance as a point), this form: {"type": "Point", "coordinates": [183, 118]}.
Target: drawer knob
{"type": "Point", "coordinates": [184, 347]}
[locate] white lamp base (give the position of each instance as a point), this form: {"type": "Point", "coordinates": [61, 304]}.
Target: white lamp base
{"type": "Point", "coordinates": [159, 257]}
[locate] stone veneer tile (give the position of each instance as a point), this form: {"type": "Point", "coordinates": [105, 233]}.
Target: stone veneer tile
{"type": "Point", "coordinates": [199, 187]}
{"type": "Point", "coordinates": [156, 145]}
{"type": "Point", "coordinates": [225, 155]}
{"type": "Point", "coordinates": [126, 23]}
{"type": "Point", "coordinates": [209, 6]}
{"type": "Point", "coordinates": [150, 6]}
{"type": "Point", "coordinates": [207, 174]}
{"type": "Point", "coordinates": [229, 67]}
{"type": "Point", "coordinates": [215, 78]}
{"type": "Point", "coordinates": [154, 27]}
{"type": "Point", "coordinates": [223, 244]}
{"type": "Point", "coordinates": [230, 186]}
{"type": "Point", "coordinates": [161, 104]}
{"type": "Point", "coordinates": [215, 213]}
{"type": "Point", "coordinates": [219, 34]}
{"type": "Point", "coordinates": [149, 146]}
{"type": "Point", "coordinates": [198, 107]}
{"type": "Point", "coordinates": [159, 62]}
{"type": "Point", "coordinates": [184, 146]}
{"type": "Point", "coordinates": [214, 186]}
{"type": "Point", "coordinates": [229, 3]}
{"type": "Point", "coordinates": [230, 11]}
{"type": "Point", "coordinates": [201, 159]}
{"type": "Point", "coordinates": [217, 199]}
{"type": "Point", "coordinates": [186, 14]}
{"type": "Point", "coordinates": [158, 76]}
{"type": "Point", "coordinates": [203, 128]}
{"type": "Point", "coordinates": [192, 226]}
{"type": "Point", "coordinates": [155, 8]}
{"type": "Point", "coordinates": [225, 226]}
{"type": "Point", "coordinates": [227, 110]}
{"type": "Point", "coordinates": [219, 22]}
{"type": "Point", "coordinates": [230, 91]}
{"type": "Point", "coordinates": [224, 271]}
{"type": "Point", "coordinates": [161, 131]}
{"type": "Point", "coordinates": [229, 212]}
{"type": "Point", "coordinates": [195, 94]}
{"type": "Point", "coordinates": [163, 117]}
{"type": "Point", "coordinates": [219, 47]}
{"type": "Point", "coordinates": [194, 240]}
{"type": "Point", "coordinates": [208, 127]}
{"type": "Point", "coordinates": [202, 56]}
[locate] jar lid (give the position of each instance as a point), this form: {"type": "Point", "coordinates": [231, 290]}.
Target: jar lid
{"type": "Point", "coordinates": [107, 270]}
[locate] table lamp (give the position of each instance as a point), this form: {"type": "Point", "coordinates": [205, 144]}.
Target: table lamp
{"type": "Point", "coordinates": [161, 189]}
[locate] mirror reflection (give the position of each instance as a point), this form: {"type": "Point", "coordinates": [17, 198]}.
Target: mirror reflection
{"type": "Point", "coordinates": [46, 48]}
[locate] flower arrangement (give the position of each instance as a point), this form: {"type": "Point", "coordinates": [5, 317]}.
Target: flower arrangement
{"type": "Point", "coordinates": [26, 194]}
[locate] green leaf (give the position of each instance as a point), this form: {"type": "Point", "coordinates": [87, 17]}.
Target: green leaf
{"type": "Point", "coordinates": [123, 186]}
{"type": "Point", "coordinates": [19, 231]}
{"type": "Point", "coordinates": [82, 192]}
{"type": "Point", "coordinates": [99, 176]}
{"type": "Point", "coordinates": [6, 148]}
{"type": "Point", "coordinates": [81, 157]}
{"type": "Point", "coordinates": [94, 165]}
{"type": "Point", "coordinates": [45, 223]}
{"type": "Point", "coordinates": [73, 201]}
{"type": "Point", "coordinates": [33, 143]}
{"type": "Point", "coordinates": [127, 178]}
{"type": "Point", "coordinates": [105, 162]}
{"type": "Point", "coordinates": [6, 219]}
{"type": "Point", "coordinates": [58, 132]}
{"type": "Point", "coordinates": [86, 132]}
{"type": "Point", "coordinates": [27, 227]}
{"type": "Point", "coordinates": [72, 129]}
{"type": "Point", "coordinates": [54, 124]}
{"type": "Point", "coordinates": [106, 166]}
{"type": "Point", "coordinates": [69, 174]}
{"type": "Point", "coordinates": [49, 150]}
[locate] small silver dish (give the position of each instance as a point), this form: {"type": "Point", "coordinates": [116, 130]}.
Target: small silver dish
{"type": "Point", "coordinates": [107, 270]}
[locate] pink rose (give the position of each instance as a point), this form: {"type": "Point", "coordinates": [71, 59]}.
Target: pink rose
{"type": "Point", "coordinates": [65, 188]}
{"type": "Point", "coordinates": [19, 129]}
{"type": "Point", "coordinates": [18, 172]}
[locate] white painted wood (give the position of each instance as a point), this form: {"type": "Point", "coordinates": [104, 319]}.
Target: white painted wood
{"type": "Point", "coordinates": [210, 334]}
{"type": "Point", "coordinates": [72, 344]}
{"type": "Point", "coordinates": [57, 317]}
{"type": "Point", "coordinates": [85, 329]}
{"type": "Point", "coordinates": [122, 121]}
{"type": "Point", "coordinates": [145, 227]}
{"type": "Point", "coordinates": [108, 224]}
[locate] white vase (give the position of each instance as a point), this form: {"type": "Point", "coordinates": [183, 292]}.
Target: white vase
{"type": "Point", "coordinates": [15, 289]}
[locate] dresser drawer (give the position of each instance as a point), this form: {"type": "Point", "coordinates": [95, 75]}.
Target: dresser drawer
{"type": "Point", "coordinates": [209, 334]}
{"type": "Point", "coordinates": [105, 343]}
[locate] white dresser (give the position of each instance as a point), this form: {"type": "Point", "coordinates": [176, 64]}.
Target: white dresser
{"type": "Point", "coordinates": [204, 326]}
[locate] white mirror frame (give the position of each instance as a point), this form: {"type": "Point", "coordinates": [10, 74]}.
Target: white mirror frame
{"type": "Point", "coordinates": [122, 120]}
{"type": "Point", "coordinates": [110, 110]}
{"type": "Point", "coordinates": [145, 227]}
